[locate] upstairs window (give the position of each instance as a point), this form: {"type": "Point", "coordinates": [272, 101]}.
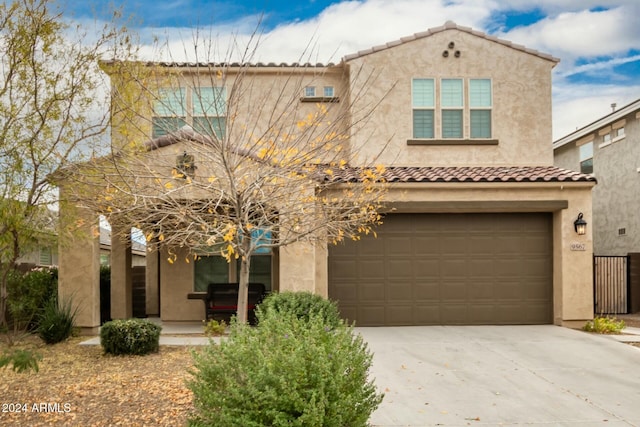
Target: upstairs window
{"type": "Point", "coordinates": [480, 104]}
{"type": "Point", "coordinates": [309, 91]}
{"type": "Point", "coordinates": [452, 103]}
{"type": "Point", "coordinates": [169, 111]}
{"type": "Point", "coordinates": [586, 158]}
{"type": "Point", "coordinates": [442, 108]}
{"type": "Point", "coordinates": [328, 92]}
{"type": "Point", "coordinates": [423, 100]}
{"type": "Point", "coordinates": [209, 110]}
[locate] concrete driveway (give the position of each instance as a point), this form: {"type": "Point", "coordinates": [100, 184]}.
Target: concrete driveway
{"type": "Point", "coordinates": [503, 375]}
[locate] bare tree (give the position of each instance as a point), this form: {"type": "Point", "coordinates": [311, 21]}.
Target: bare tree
{"type": "Point", "coordinates": [250, 167]}
{"type": "Point", "coordinates": [49, 82]}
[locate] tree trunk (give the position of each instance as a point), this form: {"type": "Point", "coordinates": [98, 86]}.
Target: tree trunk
{"type": "Point", "coordinates": [6, 269]}
{"type": "Point", "coordinates": [243, 290]}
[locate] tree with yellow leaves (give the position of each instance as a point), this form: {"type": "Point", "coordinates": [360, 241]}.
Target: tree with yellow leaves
{"type": "Point", "coordinates": [234, 158]}
{"type": "Point", "coordinates": [49, 81]}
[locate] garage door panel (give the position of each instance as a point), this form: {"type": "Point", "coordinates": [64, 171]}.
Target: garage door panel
{"type": "Point", "coordinates": [345, 292]}
{"type": "Point", "coordinates": [453, 268]}
{"type": "Point", "coordinates": [399, 291]}
{"type": "Point", "coordinates": [368, 269]}
{"type": "Point", "coordinates": [399, 268]}
{"type": "Point", "coordinates": [370, 315]}
{"type": "Point", "coordinates": [427, 269]}
{"type": "Point", "coordinates": [399, 246]}
{"type": "Point", "coordinates": [454, 291]}
{"type": "Point", "coordinates": [481, 291]}
{"type": "Point", "coordinates": [345, 268]}
{"type": "Point", "coordinates": [481, 268]}
{"type": "Point", "coordinates": [454, 314]}
{"type": "Point", "coordinates": [453, 246]}
{"type": "Point", "coordinates": [427, 314]}
{"type": "Point", "coordinates": [370, 247]}
{"type": "Point", "coordinates": [399, 314]}
{"type": "Point", "coordinates": [426, 246]}
{"type": "Point", "coordinates": [371, 292]}
{"type": "Point", "coordinates": [427, 291]}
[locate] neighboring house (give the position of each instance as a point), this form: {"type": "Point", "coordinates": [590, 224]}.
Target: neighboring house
{"type": "Point", "coordinates": [609, 149]}
{"type": "Point", "coordinates": [482, 223]}
{"type": "Point", "coordinates": [138, 250]}
{"type": "Point", "coordinates": [43, 256]}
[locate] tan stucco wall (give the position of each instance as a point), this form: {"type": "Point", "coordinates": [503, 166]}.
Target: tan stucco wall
{"type": "Point", "coordinates": [521, 84]}
{"type": "Point", "coordinates": [176, 282]}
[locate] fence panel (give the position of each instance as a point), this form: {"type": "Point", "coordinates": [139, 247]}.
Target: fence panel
{"type": "Point", "coordinates": [610, 281]}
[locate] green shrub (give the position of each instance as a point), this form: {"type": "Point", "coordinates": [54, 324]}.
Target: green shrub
{"type": "Point", "coordinates": [285, 371]}
{"type": "Point", "coordinates": [303, 305]}
{"type": "Point", "coordinates": [604, 325]}
{"type": "Point", "coordinates": [130, 336]}
{"type": "Point", "coordinates": [28, 294]}
{"type": "Point", "coordinates": [56, 321]}
{"type": "Point", "coordinates": [21, 360]}
{"type": "Point", "coordinates": [213, 328]}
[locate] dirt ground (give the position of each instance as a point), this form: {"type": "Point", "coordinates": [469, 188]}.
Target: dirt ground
{"type": "Point", "coordinates": [79, 386]}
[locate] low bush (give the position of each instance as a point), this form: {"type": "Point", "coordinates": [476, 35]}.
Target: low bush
{"type": "Point", "coordinates": [56, 321]}
{"type": "Point", "coordinates": [604, 325]}
{"type": "Point", "coordinates": [286, 371]}
{"type": "Point", "coordinates": [303, 305]}
{"type": "Point", "coordinates": [28, 294]}
{"type": "Point", "coordinates": [213, 328]}
{"type": "Point", "coordinates": [130, 336]}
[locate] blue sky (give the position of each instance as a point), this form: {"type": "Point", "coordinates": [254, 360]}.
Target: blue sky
{"type": "Point", "coordinates": [598, 42]}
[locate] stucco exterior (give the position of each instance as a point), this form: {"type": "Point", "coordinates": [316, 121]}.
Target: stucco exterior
{"type": "Point", "coordinates": [616, 166]}
{"type": "Point", "coordinates": [520, 136]}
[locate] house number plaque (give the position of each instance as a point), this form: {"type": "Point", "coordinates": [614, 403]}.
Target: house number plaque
{"type": "Point", "coordinates": [578, 246]}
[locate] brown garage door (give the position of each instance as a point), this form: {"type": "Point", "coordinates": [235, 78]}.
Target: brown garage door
{"type": "Point", "coordinates": [447, 269]}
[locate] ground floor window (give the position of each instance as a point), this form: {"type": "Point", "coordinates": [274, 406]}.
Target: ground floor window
{"type": "Point", "coordinates": [216, 269]}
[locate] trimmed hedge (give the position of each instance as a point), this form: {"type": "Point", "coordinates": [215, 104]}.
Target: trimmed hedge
{"type": "Point", "coordinates": [284, 372]}
{"type": "Point", "coordinates": [130, 336]}
{"type": "Point", "coordinates": [303, 305]}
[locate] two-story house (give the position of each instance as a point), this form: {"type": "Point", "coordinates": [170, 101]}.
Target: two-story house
{"type": "Point", "coordinates": [609, 149]}
{"type": "Point", "coordinates": [480, 226]}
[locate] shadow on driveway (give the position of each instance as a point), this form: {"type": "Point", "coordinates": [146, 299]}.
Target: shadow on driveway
{"type": "Point", "coordinates": [503, 375]}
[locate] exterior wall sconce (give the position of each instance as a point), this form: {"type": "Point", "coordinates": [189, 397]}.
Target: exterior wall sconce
{"type": "Point", "coordinates": [580, 225]}
{"type": "Point", "coordinates": [185, 166]}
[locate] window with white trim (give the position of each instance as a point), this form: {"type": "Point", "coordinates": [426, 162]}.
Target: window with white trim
{"type": "Point", "coordinates": [480, 104]}
{"type": "Point", "coordinates": [423, 100]}
{"type": "Point", "coordinates": [169, 112]}
{"type": "Point", "coordinates": [310, 91]}
{"type": "Point", "coordinates": [458, 101]}
{"type": "Point", "coordinates": [328, 92]}
{"type": "Point", "coordinates": [209, 110]}
{"type": "Point", "coordinates": [206, 112]}
{"type": "Point", "coordinates": [586, 157]}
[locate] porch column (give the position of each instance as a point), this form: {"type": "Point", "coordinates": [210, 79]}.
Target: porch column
{"type": "Point", "coordinates": [298, 268]}
{"type": "Point", "coordinates": [121, 283]}
{"type": "Point", "coordinates": [79, 266]}
{"type": "Point", "coordinates": [152, 281]}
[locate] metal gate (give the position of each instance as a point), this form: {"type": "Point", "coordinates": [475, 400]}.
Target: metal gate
{"type": "Point", "coordinates": [611, 284]}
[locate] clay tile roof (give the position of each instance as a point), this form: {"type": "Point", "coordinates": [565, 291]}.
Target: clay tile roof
{"type": "Point", "coordinates": [407, 174]}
